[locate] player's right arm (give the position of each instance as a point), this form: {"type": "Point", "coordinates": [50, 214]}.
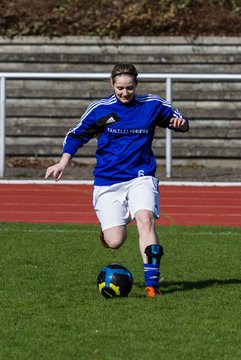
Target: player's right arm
{"type": "Point", "coordinates": [57, 169]}
{"type": "Point", "coordinates": [75, 139]}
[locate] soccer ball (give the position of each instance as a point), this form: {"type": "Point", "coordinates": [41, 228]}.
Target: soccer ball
{"type": "Point", "coordinates": [114, 281]}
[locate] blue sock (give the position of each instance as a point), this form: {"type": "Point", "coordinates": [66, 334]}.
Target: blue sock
{"type": "Point", "coordinates": [152, 274]}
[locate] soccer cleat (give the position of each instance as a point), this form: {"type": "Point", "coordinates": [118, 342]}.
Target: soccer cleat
{"type": "Point", "coordinates": [153, 291]}
{"type": "Point", "coordinates": [102, 240]}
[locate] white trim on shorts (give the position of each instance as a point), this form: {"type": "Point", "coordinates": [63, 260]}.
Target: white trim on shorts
{"type": "Point", "coordinates": [117, 204]}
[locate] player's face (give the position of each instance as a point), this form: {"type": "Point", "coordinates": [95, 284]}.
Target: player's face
{"type": "Point", "coordinates": [124, 88]}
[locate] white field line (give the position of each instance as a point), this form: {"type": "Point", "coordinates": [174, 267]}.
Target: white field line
{"type": "Point", "coordinates": [9, 229]}
{"type": "Point", "coordinates": [90, 182]}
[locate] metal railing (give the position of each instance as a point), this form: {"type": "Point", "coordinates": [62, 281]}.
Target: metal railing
{"type": "Point", "coordinates": [4, 76]}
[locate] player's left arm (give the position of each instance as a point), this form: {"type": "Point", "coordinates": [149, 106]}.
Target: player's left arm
{"type": "Point", "coordinates": [171, 118]}
{"type": "Point", "coordinates": [178, 124]}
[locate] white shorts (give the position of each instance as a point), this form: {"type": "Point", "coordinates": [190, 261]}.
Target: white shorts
{"type": "Point", "coordinates": [117, 204]}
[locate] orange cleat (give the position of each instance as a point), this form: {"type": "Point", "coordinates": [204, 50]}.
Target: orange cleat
{"type": "Point", "coordinates": [153, 291]}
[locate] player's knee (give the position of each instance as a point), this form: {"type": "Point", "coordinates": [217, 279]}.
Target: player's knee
{"type": "Point", "coordinates": [114, 239]}
{"type": "Point", "coordinates": [115, 242]}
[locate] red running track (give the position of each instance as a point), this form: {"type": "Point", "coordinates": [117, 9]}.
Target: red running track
{"type": "Point", "coordinates": [64, 203]}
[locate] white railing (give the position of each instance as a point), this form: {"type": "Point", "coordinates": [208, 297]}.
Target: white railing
{"type": "Point", "coordinates": [147, 76]}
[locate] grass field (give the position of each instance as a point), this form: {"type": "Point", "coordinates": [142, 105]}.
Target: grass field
{"type": "Point", "coordinates": [51, 309]}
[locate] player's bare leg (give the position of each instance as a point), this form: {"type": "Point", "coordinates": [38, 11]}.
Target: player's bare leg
{"type": "Point", "coordinates": [113, 237]}
{"type": "Point", "coordinates": [150, 250]}
{"type": "Point", "coordinates": [146, 227]}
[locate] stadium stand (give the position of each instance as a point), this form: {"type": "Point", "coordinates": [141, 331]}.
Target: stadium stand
{"type": "Point", "coordinates": [39, 112]}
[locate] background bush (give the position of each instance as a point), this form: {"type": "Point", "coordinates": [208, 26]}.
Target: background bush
{"type": "Point", "coordinates": [116, 18]}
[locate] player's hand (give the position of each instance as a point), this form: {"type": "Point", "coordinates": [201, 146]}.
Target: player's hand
{"type": "Point", "coordinates": [178, 123]}
{"type": "Point", "coordinates": [56, 170]}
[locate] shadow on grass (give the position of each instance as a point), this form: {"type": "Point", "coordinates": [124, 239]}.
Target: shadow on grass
{"type": "Point", "coordinates": [168, 287]}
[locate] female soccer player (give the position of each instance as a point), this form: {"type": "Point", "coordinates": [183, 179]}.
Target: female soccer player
{"type": "Point", "coordinates": [125, 186]}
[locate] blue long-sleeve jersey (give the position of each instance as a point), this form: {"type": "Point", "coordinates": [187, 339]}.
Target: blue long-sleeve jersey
{"type": "Point", "coordinates": [125, 133]}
